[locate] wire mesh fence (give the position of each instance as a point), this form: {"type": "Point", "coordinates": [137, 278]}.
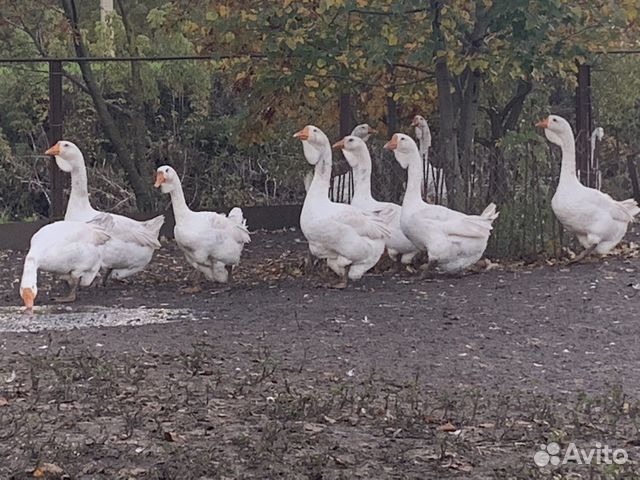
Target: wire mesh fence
{"type": "Point", "coordinates": [201, 136]}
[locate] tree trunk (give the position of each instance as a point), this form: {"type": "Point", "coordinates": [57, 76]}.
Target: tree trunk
{"type": "Point", "coordinates": [448, 137]}
{"type": "Point", "coordinates": [467, 129]}
{"type": "Point", "coordinates": [502, 122]}
{"type": "Point", "coordinates": [346, 115]}
{"type": "Point", "coordinates": [140, 187]}
{"type": "Point", "coordinates": [395, 183]}
{"type": "Point", "coordinates": [139, 127]}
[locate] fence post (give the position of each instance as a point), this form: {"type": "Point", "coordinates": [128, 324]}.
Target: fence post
{"type": "Point", "coordinates": [584, 126]}
{"type": "Point", "coordinates": [633, 174]}
{"type": "Point", "coordinates": [55, 133]}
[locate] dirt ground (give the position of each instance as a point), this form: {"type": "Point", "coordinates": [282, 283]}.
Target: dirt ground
{"type": "Point", "coordinates": [278, 377]}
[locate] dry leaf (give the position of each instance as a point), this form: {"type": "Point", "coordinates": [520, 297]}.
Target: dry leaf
{"type": "Point", "coordinates": [3, 402]}
{"type": "Point", "coordinates": [487, 425]}
{"type": "Point", "coordinates": [173, 437]}
{"type": "Point", "coordinates": [48, 470]}
{"type": "Point", "coordinates": [345, 459]}
{"type": "Point", "coordinates": [313, 427]}
{"type": "Point", "coordinates": [447, 427]}
{"type": "Point", "coordinates": [329, 420]}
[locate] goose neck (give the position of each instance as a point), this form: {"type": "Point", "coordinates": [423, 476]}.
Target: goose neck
{"type": "Point", "coordinates": [568, 167]}
{"type": "Point", "coordinates": [79, 196]}
{"type": "Point", "coordinates": [413, 193]}
{"type": "Point", "coordinates": [178, 202]}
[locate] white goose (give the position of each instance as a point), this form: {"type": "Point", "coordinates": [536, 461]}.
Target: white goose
{"type": "Point", "coordinates": [436, 185]}
{"type": "Point", "coordinates": [71, 249]}
{"type": "Point", "coordinates": [363, 131]}
{"type": "Point", "coordinates": [132, 242]}
{"type": "Point", "coordinates": [357, 154]}
{"type": "Point", "coordinates": [598, 220]}
{"type": "Point", "coordinates": [453, 240]}
{"type": "Point", "coordinates": [350, 239]}
{"type": "Point", "coordinates": [212, 242]}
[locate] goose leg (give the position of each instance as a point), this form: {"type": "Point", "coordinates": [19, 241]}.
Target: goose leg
{"type": "Point", "coordinates": [396, 268]}
{"type": "Point", "coordinates": [310, 264]}
{"type": "Point", "coordinates": [193, 277]}
{"type": "Point", "coordinates": [230, 271]}
{"type": "Point", "coordinates": [583, 254]}
{"type": "Point", "coordinates": [72, 295]}
{"type": "Point", "coordinates": [428, 271]}
{"type": "Point", "coordinates": [342, 284]}
{"type": "Point", "coordinates": [106, 276]}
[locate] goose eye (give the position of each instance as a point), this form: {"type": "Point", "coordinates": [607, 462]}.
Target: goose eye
{"type": "Point", "coordinates": [65, 144]}
{"type": "Point", "coordinates": [350, 140]}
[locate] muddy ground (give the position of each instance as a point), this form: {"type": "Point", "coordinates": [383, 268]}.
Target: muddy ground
{"type": "Point", "coordinates": [277, 377]}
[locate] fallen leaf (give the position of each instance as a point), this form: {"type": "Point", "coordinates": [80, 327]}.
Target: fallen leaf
{"type": "Point", "coordinates": [313, 427]}
{"type": "Point", "coordinates": [133, 472]}
{"type": "Point", "coordinates": [329, 420]}
{"type": "Point", "coordinates": [447, 427]}
{"type": "Point", "coordinates": [173, 437]}
{"type": "Point", "coordinates": [423, 454]}
{"type": "Point", "coordinates": [346, 459]}
{"type": "Point", "coordinates": [3, 402]}
{"type": "Point", "coordinates": [487, 425]}
{"type": "Point", "coordinates": [49, 470]}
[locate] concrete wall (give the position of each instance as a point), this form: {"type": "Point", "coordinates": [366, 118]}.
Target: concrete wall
{"type": "Point", "coordinates": [16, 236]}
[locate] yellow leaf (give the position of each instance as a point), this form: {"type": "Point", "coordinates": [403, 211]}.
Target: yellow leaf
{"type": "Point", "coordinates": [343, 59]}
{"type": "Point", "coordinates": [310, 82]}
{"type": "Point", "coordinates": [48, 469]}
{"type": "Point", "coordinates": [251, 16]}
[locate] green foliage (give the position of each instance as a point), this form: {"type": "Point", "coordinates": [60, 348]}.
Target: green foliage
{"type": "Point", "coordinates": [226, 124]}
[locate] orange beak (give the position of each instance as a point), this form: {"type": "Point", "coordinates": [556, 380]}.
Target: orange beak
{"type": "Point", "coordinates": [339, 144]}
{"type": "Point", "coordinates": [160, 179]}
{"type": "Point", "coordinates": [543, 123]}
{"type": "Point", "coordinates": [28, 297]}
{"type": "Point", "coordinates": [371, 131]}
{"type": "Point", "coordinates": [302, 134]}
{"type": "Point", "coordinates": [414, 122]}
{"type": "Point", "coordinates": [392, 144]}
{"type": "Point", "coordinates": [55, 150]}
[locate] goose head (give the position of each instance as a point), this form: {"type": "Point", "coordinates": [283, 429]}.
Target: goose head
{"type": "Point", "coordinates": [419, 122]}
{"type": "Point", "coordinates": [556, 129]}
{"type": "Point", "coordinates": [167, 179]}
{"type": "Point", "coordinates": [354, 149]}
{"type": "Point", "coordinates": [314, 142]}
{"type": "Point", "coordinates": [404, 149]}
{"type": "Point", "coordinates": [68, 155]}
{"type": "Point", "coordinates": [29, 295]}
{"type": "Point", "coordinates": [363, 131]}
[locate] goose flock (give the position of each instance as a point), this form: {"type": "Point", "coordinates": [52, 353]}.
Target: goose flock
{"type": "Point", "coordinates": [351, 237]}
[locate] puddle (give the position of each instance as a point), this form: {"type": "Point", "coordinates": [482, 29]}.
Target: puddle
{"type": "Point", "coordinates": [56, 317]}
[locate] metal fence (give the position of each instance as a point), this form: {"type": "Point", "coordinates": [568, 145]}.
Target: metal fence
{"type": "Point", "coordinates": [521, 179]}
